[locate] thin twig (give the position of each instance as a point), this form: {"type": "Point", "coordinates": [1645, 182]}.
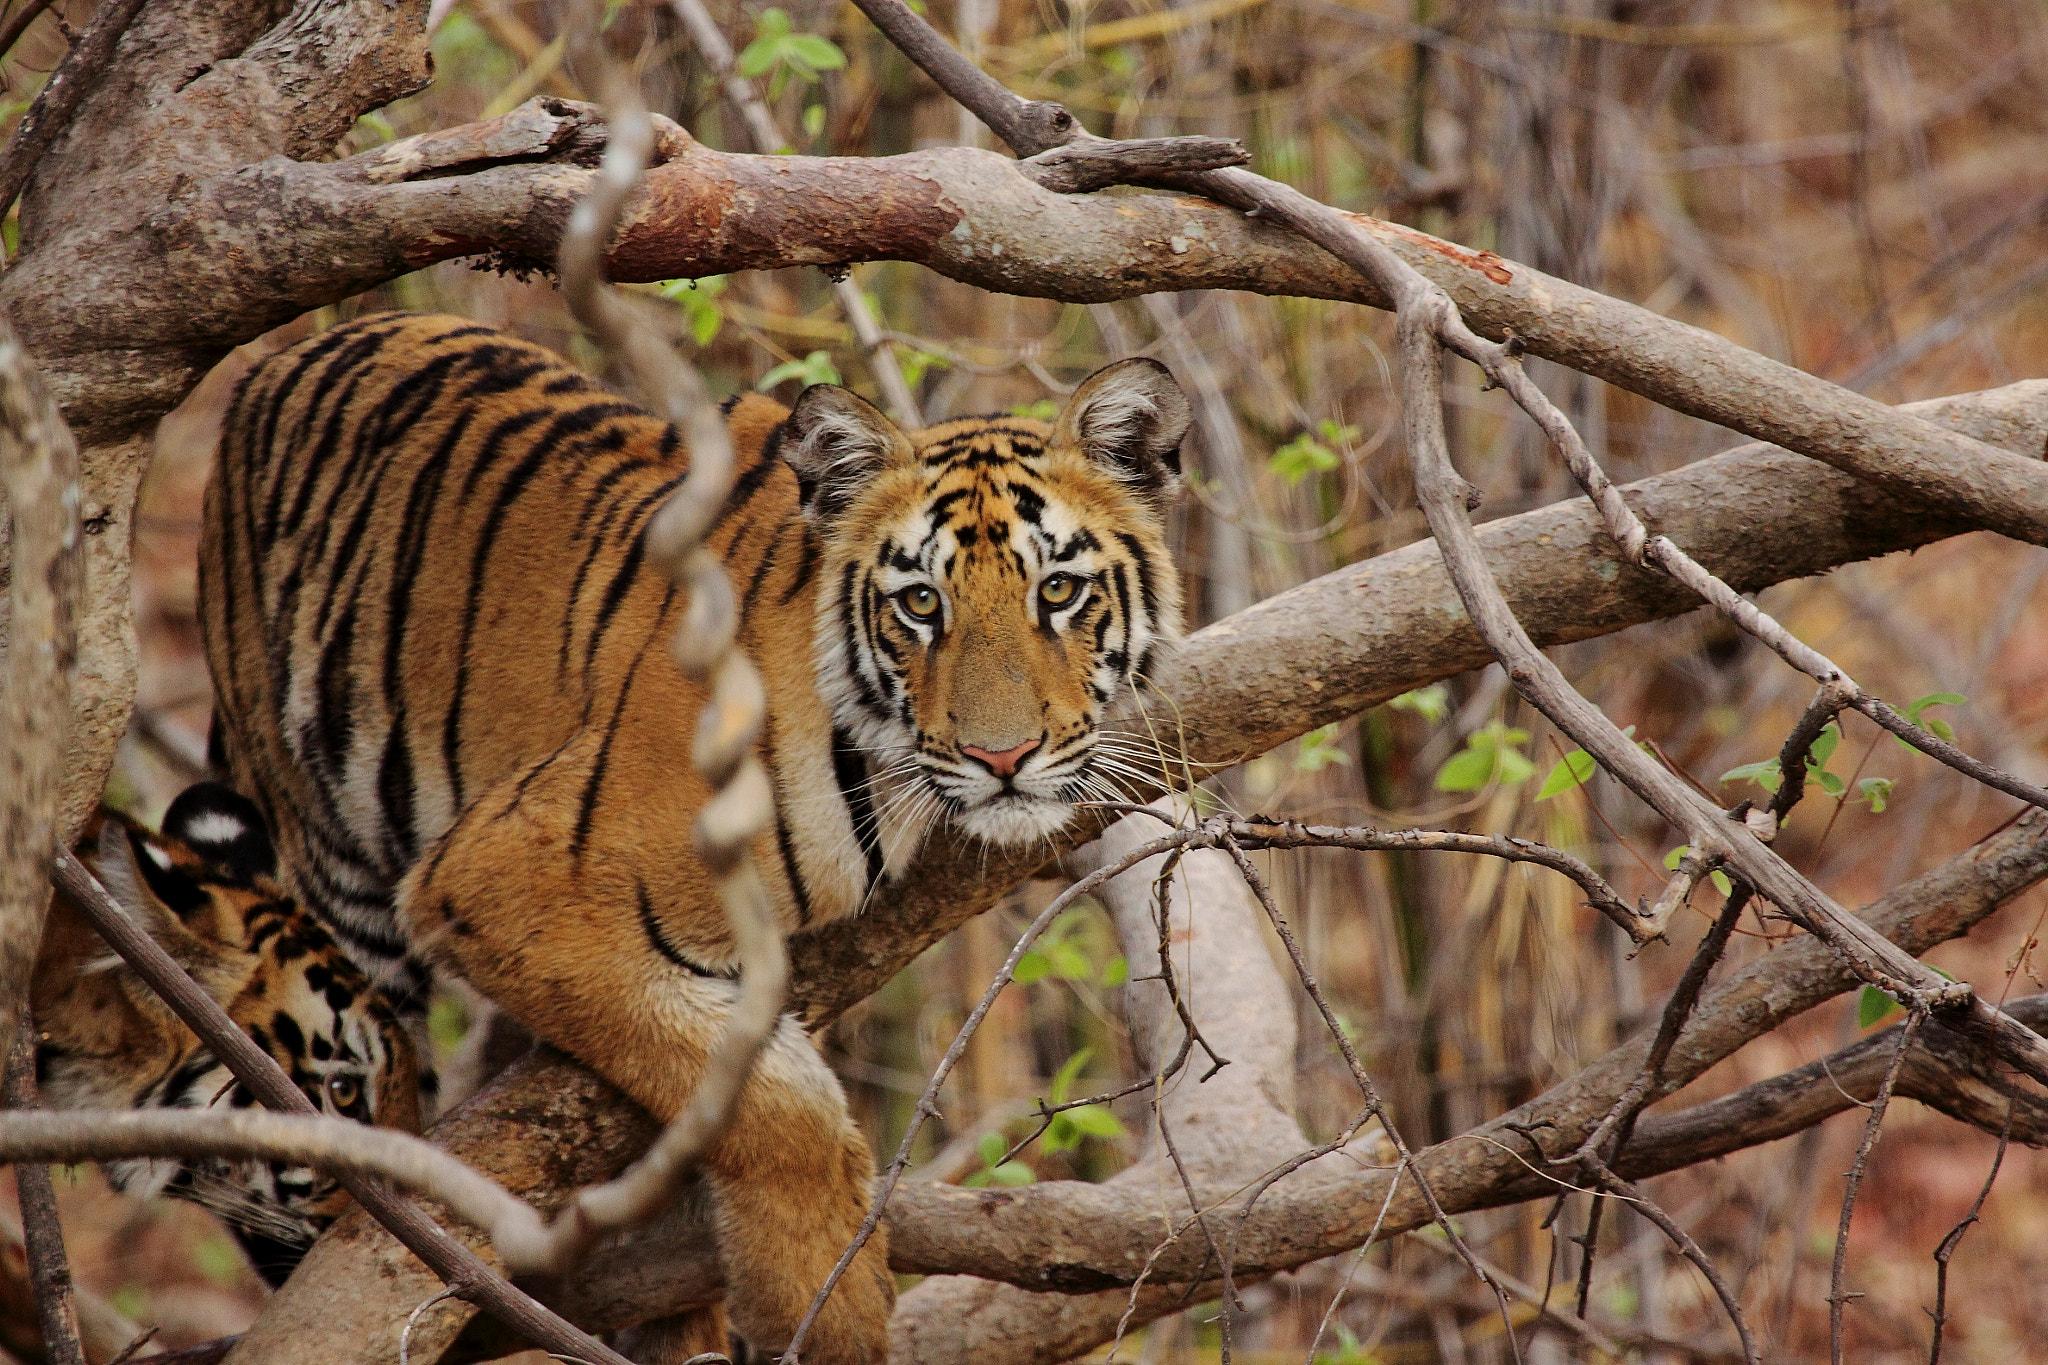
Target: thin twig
{"type": "Point", "coordinates": [927, 1103]}
{"type": "Point", "coordinates": [1691, 1250]}
{"type": "Point", "coordinates": [1947, 1249]}
{"type": "Point", "coordinates": [1610, 1136]}
{"type": "Point", "coordinates": [42, 1235]}
{"type": "Point", "coordinates": [1501, 363]}
{"type": "Point", "coordinates": [1837, 1295]}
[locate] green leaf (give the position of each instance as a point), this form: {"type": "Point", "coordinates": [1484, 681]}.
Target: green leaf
{"type": "Point", "coordinates": [1301, 457]}
{"type": "Point", "coordinates": [1824, 745]}
{"type": "Point", "coordinates": [1829, 783]}
{"type": "Point", "coordinates": [814, 51]}
{"type": "Point", "coordinates": [758, 58]}
{"type": "Point", "coordinates": [1009, 1174]}
{"type": "Point", "coordinates": [1465, 771]}
{"type": "Point", "coordinates": [1069, 1072]}
{"type": "Point", "coordinates": [773, 22]}
{"type": "Point", "coordinates": [1721, 883]}
{"type": "Point", "coordinates": [991, 1148]}
{"type": "Point", "coordinates": [1071, 963]}
{"type": "Point", "coordinates": [1875, 792]}
{"type": "Point", "coordinates": [1490, 755]}
{"type": "Point", "coordinates": [1432, 703]}
{"type": "Point", "coordinates": [1116, 971]}
{"type": "Point", "coordinates": [815, 368]}
{"type": "Point", "coordinates": [1060, 1135]}
{"type": "Point", "coordinates": [1933, 725]}
{"type": "Point", "coordinates": [1764, 773]}
{"type": "Point", "coordinates": [1675, 857]}
{"type": "Point", "coordinates": [1095, 1120]}
{"type": "Point", "coordinates": [1919, 704]}
{"type": "Point", "coordinates": [1033, 966]}
{"type": "Point", "coordinates": [1873, 1006]}
{"type": "Point", "coordinates": [814, 120]}
{"type": "Point", "coordinates": [1037, 410]}
{"type": "Point", "coordinates": [1573, 770]}
{"type": "Point", "coordinates": [917, 363]}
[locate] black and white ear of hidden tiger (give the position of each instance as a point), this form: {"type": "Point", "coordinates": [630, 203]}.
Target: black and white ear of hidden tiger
{"type": "Point", "coordinates": [1130, 418]}
{"type": "Point", "coordinates": [837, 441]}
{"type": "Point", "coordinates": [223, 827]}
{"type": "Point", "coordinates": [162, 886]}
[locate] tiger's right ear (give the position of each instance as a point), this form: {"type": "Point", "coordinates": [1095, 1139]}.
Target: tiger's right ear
{"type": "Point", "coordinates": [837, 441]}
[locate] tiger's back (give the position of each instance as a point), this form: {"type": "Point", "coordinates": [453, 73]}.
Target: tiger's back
{"type": "Point", "coordinates": [394, 497]}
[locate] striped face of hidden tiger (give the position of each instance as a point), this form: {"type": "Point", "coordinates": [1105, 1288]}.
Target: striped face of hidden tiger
{"type": "Point", "coordinates": [439, 655]}
{"type": "Point", "coordinates": [205, 889]}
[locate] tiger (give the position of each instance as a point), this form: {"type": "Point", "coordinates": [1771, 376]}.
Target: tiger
{"type": "Point", "coordinates": [440, 654]}
{"type": "Point", "coordinates": [205, 889]}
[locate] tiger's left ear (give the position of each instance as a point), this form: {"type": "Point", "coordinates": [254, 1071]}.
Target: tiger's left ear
{"type": "Point", "coordinates": [1130, 418]}
{"type": "Point", "coordinates": [837, 441]}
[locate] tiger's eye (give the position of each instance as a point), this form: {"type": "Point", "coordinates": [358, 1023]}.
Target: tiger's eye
{"type": "Point", "coordinates": [920, 601]}
{"type": "Point", "coordinates": [1059, 589]}
{"type": "Point", "coordinates": [344, 1091]}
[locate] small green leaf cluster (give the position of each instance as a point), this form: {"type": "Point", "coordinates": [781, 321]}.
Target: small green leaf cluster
{"type": "Point", "coordinates": [1575, 769]}
{"type": "Point", "coordinates": [994, 1169]}
{"type": "Point", "coordinates": [1873, 792]}
{"type": "Point", "coordinates": [1312, 452]}
{"type": "Point", "coordinates": [917, 363]}
{"type": "Point", "coordinates": [1065, 1131]}
{"type": "Point", "coordinates": [698, 299]}
{"type": "Point", "coordinates": [780, 53]}
{"type": "Point", "coordinates": [1062, 951]}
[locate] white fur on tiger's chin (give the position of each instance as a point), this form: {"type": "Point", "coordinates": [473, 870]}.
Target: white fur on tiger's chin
{"type": "Point", "coordinates": [1015, 821]}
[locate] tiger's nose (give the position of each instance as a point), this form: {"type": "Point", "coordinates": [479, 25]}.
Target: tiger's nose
{"type": "Point", "coordinates": [1003, 763]}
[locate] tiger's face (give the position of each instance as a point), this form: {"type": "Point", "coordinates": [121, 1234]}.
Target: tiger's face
{"type": "Point", "coordinates": [205, 889]}
{"type": "Point", "coordinates": [990, 586]}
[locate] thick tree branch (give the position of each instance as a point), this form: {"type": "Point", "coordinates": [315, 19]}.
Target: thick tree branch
{"type": "Point", "coordinates": [505, 188]}
{"type": "Point", "coordinates": [39, 482]}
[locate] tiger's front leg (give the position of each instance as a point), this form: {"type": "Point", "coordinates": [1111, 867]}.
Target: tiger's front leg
{"type": "Point", "coordinates": [572, 944]}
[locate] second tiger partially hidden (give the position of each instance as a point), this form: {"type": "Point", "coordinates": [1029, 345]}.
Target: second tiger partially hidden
{"type": "Point", "coordinates": [441, 661]}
